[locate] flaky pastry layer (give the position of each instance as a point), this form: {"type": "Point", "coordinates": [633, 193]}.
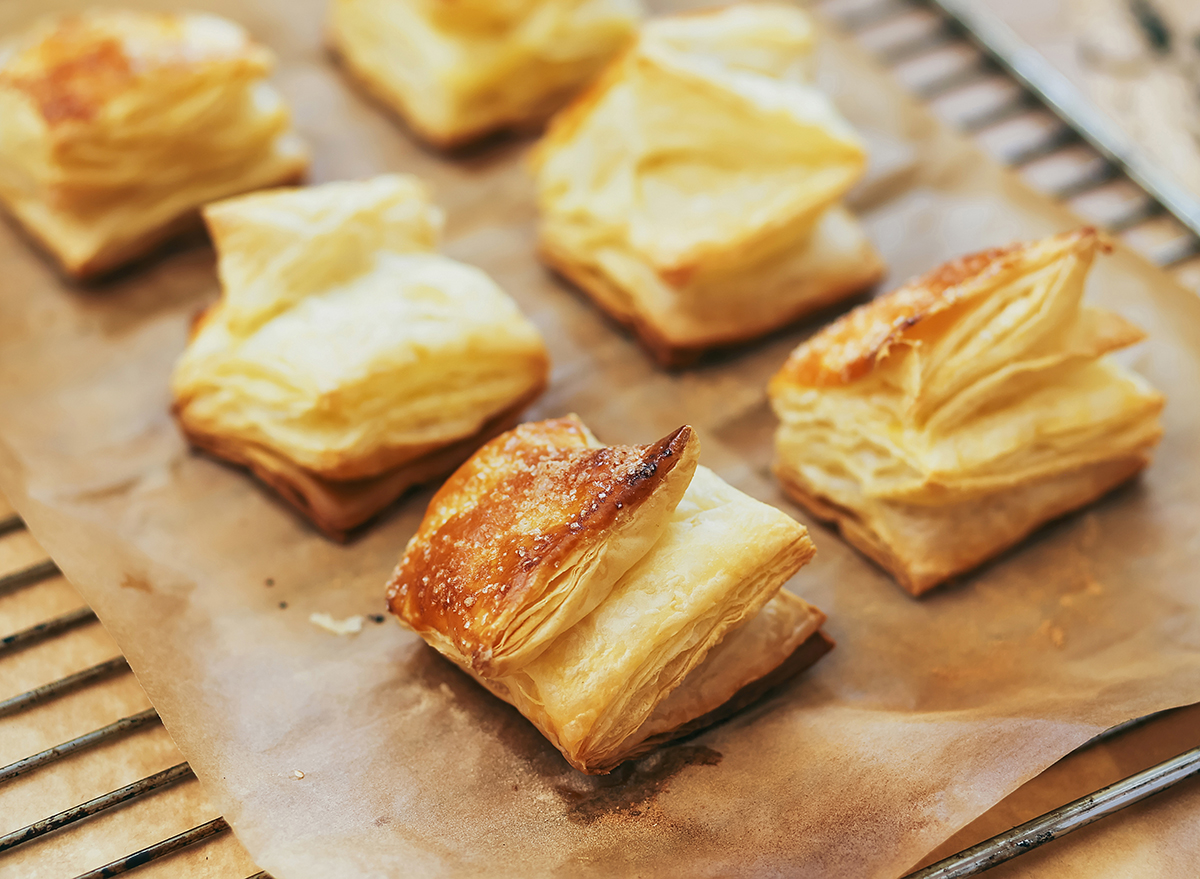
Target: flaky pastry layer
{"type": "Point", "coordinates": [945, 421]}
{"type": "Point", "coordinates": [458, 71]}
{"type": "Point", "coordinates": [681, 615]}
{"type": "Point", "coordinates": [119, 125]}
{"type": "Point", "coordinates": [344, 359]}
{"type": "Point", "coordinates": [710, 117]}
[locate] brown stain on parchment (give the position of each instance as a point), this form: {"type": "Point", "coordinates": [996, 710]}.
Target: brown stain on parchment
{"type": "Point", "coordinates": [627, 793]}
{"type": "Point", "coordinates": [141, 584]}
{"type": "Point", "coordinates": [630, 789]}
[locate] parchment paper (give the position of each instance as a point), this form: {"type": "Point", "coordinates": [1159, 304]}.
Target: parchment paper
{"type": "Point", "coordinates": [926, 714]}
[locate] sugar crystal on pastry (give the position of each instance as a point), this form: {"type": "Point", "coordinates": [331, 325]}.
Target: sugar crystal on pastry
{"type": "Point", "coordinates": [618, 596]}
{"type": "Point", "coordinates": [346, 361]}
{"type": "Point", "coordinates": [695, 191]}
{"type": "Point", "coordinates": [942, 423]}
{"type": "Point", "coordinates": [118, 125]}
{"type": "Point", "coordinates": [457, 70]}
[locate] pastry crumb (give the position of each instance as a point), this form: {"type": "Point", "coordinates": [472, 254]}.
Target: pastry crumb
{"type": "Point", "coordinates": [349, 626]}
{"type": "Point", "coordinates": [1055, 633]}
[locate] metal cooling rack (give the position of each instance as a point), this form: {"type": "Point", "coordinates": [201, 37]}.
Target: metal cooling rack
{"type": "Point", "coordinates": [963, 63]}
{"type": "Point", "coordinates": [30, 577]}
{"type": "Point", "coordinates": [982, 79]}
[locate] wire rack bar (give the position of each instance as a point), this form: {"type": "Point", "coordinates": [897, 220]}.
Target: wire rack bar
{"type": "Point", "coordinates": [1148, 210]}
{"type": "Point", "coordinates": [918, 45]}
{"type": "Point", "coordinates": [11, 523]}
{"type": "Point", "coordinates": [955, 79]}
{"type": "Point", "coordinates": [1047, 146]}
{"type": "Point", "coordinates": [1179, 251]}
{"type": "Point", "coordinates": [1092, 179]}
{"type": "Point", "coordinates": [160, 849]}
{"type": "Point", "coordinates": [861, 19]}
{"type": "Point", "coordinates": [79, 743]}
{"type": "Point", "coordinates": [149, 784]}
{"type": "Point", "coordinates": [62, 686]}
{"type": "Point", "coordinates": [27, 576]}
{"type": "Point", "coordinates": [1020, 104]}
{"type": "Point", "coordinates": [1065, 819]}
{"type": "Point", "coordinates": [70, 620]}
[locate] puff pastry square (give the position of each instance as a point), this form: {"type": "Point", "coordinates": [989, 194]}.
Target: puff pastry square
{"type": "Point", "coordinates": [346, 361]}
{"type": "Point", "coordinates": [940, 424]}
{"type": "Point", "coordinates": [618, 596]}
{"type": "Point", "coordinates": [456, 70]}
{"type": "Point", "coordinates": [118, 125]}
{"type": "Point", "coordinates": [695, 191]}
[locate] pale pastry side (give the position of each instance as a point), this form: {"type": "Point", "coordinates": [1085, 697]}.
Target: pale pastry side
{"type": "Point", "coordinates": [457, 71]}
{"type": "Point", "coordinates": [695, 190]}
{"type": "Point", "coordinates": [346, 361]}
{"type": "Point", "coordinates": [618, 596]}
{"type": "Point", "coordinates": [120, 125]}
{"type": "Point", "coordinates": [942, 423]}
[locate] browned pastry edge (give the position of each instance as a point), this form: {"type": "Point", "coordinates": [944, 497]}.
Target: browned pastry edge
{"type": "Point", "coordinates": [478, 599]}
{"type": "Point", "coordinates": [860, 535]}
{"type": "Point", "coordinates": [382, 97]}
{"type": "Point", "coordinates": [114, 257]}
{"type": "Point", "coordinates": [805, 655]}
{"type": "Point", "coordinates": [338, 507]}
{"type": "Point", "coordinates": [850, 347]}
{"type": "Point", "coordinates": [667, 354]}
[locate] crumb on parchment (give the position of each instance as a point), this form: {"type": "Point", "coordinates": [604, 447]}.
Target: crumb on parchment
{"type": "Point", "coordinates": [349, 626]}
{"type": "Point", "coordinates": [1057, 636]}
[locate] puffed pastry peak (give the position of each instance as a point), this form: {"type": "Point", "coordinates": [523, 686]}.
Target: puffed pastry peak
{"type": "Point", "coordinates": [618, 596]}
{"type": "Point", "coordinates": [705, 118]}
{"type": "Point", "coordinates": [945, 420]}
{"type": "Point", "coordinates": [281, 246]}
{"type": "Point", "coordinates": [712, 117]}
{"type": "Point", "coordinates": [1049, 269]}
{"type": "Point", "coordinates": [119, 124]}
{"type": "Point", "coordinates": [344, 347]}
{"type": "Point", "coordinates": [457, 70]}
{"type": "Point", "coordinates": [486, 575]}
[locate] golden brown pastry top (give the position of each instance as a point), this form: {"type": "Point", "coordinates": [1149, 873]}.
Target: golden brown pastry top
{"type": "Point", "coordinates": [501, 528]}
{"type": "Point", "coordinates": [119, 124]}
{"type": "Point", "coordinates": [484, 15]}
{"type": "Point", "coordinates": [457, 69]}
{"type": "Point", "coordinates": [77, 65]}
{"type": "Point", "coordinates": [850, 347]}
{"type": "Point", "coordinates": [987, 373]}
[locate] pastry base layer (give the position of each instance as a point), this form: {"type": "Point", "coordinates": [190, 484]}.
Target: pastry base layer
{"type": "Point", "coordinates": [673, 354]}
{"type": "Point", "coordinates": [122, 252]}
{"type": "Point", "coordinates": [805, 655]}
{"type": "Point", "coordinates": [338, 507]}
{"type": "Point", "coordinates": [923, 546]}
{"type": "Point", "coordinates": [445, 141]}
